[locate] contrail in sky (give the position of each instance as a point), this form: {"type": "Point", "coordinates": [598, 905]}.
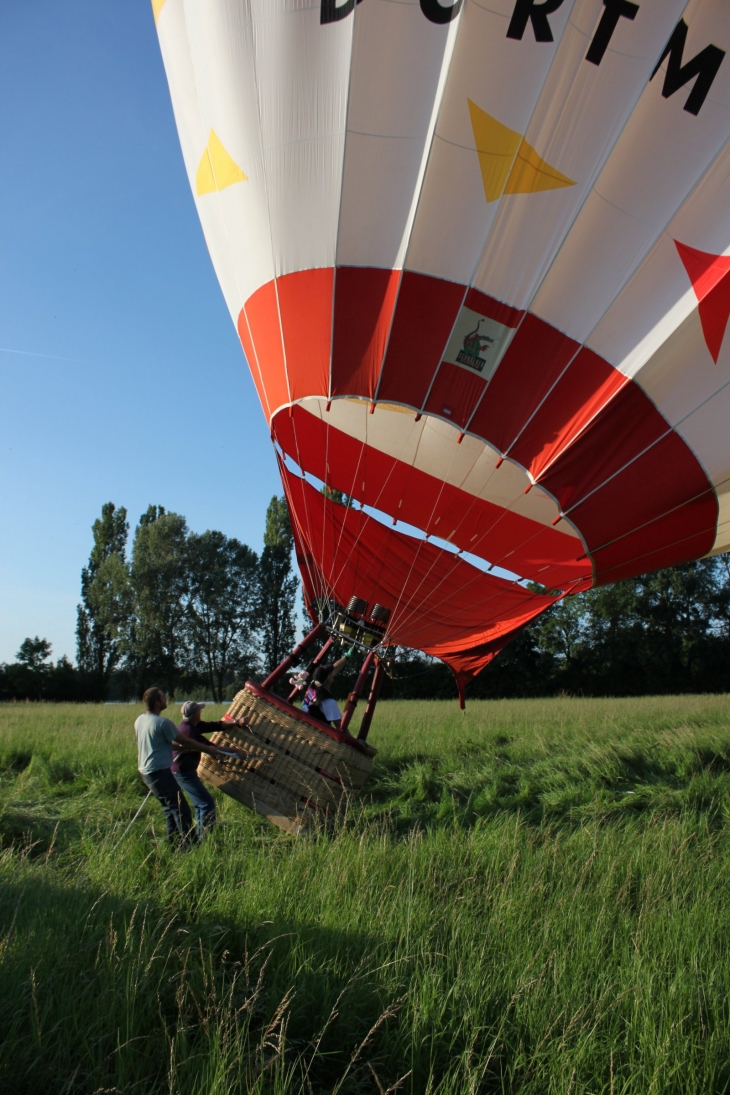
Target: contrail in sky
{"type": "Point", "coordinates": [51, 357]}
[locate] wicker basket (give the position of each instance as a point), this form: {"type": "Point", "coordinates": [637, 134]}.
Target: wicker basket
{"type": "Point", "coordinates": [294, 768]}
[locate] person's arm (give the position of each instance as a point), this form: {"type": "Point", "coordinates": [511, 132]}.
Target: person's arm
{"type": "Point", "coordinates": [213, 727]}
{"type": "Point", "coordinates": [335, 670]}
{"type": "Point", "coordinates": [189, 745]}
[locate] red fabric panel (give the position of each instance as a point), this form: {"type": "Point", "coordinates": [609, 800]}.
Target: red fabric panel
{"type": "Point", "coordinates": [627, 426]}
{"type": "Point", "coordinates": [364, 303]}
{"type": "Point", "coordinates": [262, 312]}
{"type": "Point", "coordinates": [465, 664]}
{"type": "Point", "coordinates": [534, 360]}
{"type": "Point", "coordinates": [493, 309]}
{"type": "Point", "coordinates": [709, 276]}
{"type": "Point", "coordinates": [686, 533]}
{"type": "Point", "coordinates": [588, 384]}
{"type": "Point", "coordinates": [424, 316]}
{"type": "Point", "coordinates": [455, 393]}
{"type": "Point", "coordinates": [247, 344]}
{"type": "Point", "coordinates": [438, 602]}
{"type": "Point", "coordinates": [641, 504]}
{"type": "Point", "coordinates": [305, 303]}
{"type": "Point", "coordinates": [500, 536]}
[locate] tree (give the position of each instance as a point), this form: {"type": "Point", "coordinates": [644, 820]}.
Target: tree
{"type": "Point", "coordinates": [156, 638]}
{"type": "Point", "coordinates": [33, 653]}
{"type": "Point", "coordinates": [28, 678]}
{"type": "Point", "coordinates": [277, 585]}
{"type": "Point", "coordinates": [223, 579]}
{"type": "Point", "coordinates": [105, 598]}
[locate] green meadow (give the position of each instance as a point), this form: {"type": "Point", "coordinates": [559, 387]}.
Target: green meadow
{"type": "Point", "coordinates": [532, 897]}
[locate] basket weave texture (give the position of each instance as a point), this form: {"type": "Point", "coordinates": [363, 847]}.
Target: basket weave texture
{"type": "Point", "coordinates": [291, 772]}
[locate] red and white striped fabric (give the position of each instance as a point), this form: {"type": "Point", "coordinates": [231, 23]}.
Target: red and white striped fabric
{"type": "Point", "coordinates": [478, 256]}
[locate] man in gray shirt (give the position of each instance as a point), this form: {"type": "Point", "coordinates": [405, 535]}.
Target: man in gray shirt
{"type": "Point", "coordinates": [155, 736]}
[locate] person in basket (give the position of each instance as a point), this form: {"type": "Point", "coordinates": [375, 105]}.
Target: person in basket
{"type": "Point", "coordinates": [185, 762]}
{"type": "Point", "coordinates": [155, 736]}
{"type": "Point", "coordinates": [318, 700]}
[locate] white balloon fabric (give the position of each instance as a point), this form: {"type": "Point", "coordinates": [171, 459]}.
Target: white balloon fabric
{"type": "Point", "coordinates": [478, 256]}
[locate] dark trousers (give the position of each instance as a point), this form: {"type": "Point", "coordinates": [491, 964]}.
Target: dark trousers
{"type": "Point", "coordinates": [201, 798]}
{"type": "Point", "coordinates": [179, 820]}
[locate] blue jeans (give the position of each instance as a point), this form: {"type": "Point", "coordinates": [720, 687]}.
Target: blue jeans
{"type": "Point", "coordinates": [201, 798]}
{"type": "Point", "coordinates": [178, 818]}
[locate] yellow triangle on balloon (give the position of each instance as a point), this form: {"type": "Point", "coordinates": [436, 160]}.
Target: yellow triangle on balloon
{"type": "Point", "coordinates": [509, 165]}
{"type": "Point", "coordinates": [157, 6]}
{"type": "Point", "coordinates": [497, 147]}
{"type": "Point", "coordinates": [531, 173]}
{"type": "Point", "coordinates": [217, 169]}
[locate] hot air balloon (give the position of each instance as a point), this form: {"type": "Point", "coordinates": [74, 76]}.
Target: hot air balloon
{"type": "Point", "coordinates": [477, 255]}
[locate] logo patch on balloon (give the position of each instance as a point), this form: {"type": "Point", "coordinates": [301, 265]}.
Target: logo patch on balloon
{"type": "Point", "coordinates": [478, 343]}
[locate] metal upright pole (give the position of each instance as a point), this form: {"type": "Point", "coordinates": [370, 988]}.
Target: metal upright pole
{"type": "Point", "coordinates": [356, 692]}
{"type": "Point", "coordinates": [294, 657]}
{"type": "Point", "coordinates": [367, 716]}
{"type": "Point", "coordinates": [316, 661]}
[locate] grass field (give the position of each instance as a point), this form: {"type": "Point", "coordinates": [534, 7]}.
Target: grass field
{"type": "Point", "coordinates": [530, 898]}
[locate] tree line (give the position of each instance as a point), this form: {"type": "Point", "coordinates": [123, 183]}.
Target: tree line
{"type": "Point", "coordinates": [662, 633]}
{"type": "Point", "coordinates": [188, 611]}
{"type": "Point", "coordinates": [203, 612]}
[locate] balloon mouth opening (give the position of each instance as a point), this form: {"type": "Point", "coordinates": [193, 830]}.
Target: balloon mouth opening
{"type": "Point", "coordinates": [384, 518]}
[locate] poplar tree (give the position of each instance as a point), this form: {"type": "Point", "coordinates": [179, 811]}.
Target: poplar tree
{"type": "Point", "coordinates": [102, 615]}
{"type": "Point", "coordinates": [277, 585]}
{"type": "Point", "coordinates": [221, 618]}
{"type": "Point", "coordinates": [160, 594]}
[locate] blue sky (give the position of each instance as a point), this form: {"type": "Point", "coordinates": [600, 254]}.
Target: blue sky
{"type": "Point", "coordinates": [131, 386]}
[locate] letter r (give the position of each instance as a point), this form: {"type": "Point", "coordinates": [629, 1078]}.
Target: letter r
{"type": "Point", "coordinates": [535, 12]}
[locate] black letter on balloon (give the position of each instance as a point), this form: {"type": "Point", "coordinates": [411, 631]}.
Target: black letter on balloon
{"type": "Point", "coordinates": [704, 66]}
{"type": "Point", "coordinates": [436, 13]}
{"type": "Point", "coordinates": [536, 13]}
{"type": "Point", "coordinates": [615, 10]}
{"type": "Point", "coordinates": [331, 12]}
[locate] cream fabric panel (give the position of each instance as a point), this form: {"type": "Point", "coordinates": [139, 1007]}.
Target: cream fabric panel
{"type": "Point", "coordinates": [660, 297]}
{"type": "Point", "coordinates": [722, 541]}
{"type": "Point", "coordinates": [235, 217]}
{"type": "Point", "coordinates": [661, 155]}
{"type": "Point", "coordinates": [503, 78]}
{"type": "Point", "coordinates": [579, 116]}
{"type": "Point", "coordinates": [302, 74]}
{"type": "Point", "coordinates": [399, 63]}
{"type": "Point", "coordinates": [174, 37]}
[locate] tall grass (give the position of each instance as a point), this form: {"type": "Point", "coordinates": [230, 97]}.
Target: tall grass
{"type": "Point", "coordinates": [533, 898]}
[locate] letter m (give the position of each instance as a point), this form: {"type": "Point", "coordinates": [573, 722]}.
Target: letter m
{"type": "Point", "coordinates": [702, 69]}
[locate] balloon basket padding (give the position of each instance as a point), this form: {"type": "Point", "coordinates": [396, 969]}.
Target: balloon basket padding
{"type": "Point", "coordinates": [295, 768]}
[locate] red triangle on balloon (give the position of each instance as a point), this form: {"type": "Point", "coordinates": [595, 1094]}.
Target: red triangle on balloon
{"type": "Point", "coordinates": [708, 274]}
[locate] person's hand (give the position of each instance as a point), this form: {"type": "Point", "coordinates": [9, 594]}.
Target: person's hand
{"type": "Point", "coordinates": [241, 722]}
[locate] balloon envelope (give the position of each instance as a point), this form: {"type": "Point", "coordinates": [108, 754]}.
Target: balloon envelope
{"type": "Point", "coordinates": [476, 257]}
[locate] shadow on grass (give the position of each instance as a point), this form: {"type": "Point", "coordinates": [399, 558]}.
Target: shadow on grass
{"type": "Point", "coordinates": [37, 834]}
{"type": "Point", "coordinates": [99, 992]}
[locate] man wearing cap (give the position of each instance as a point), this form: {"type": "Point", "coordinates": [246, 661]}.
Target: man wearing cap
{"type": "Point", "coordinates": [185, 762]}
{"type": "Point", "coordinates": [155, 736]}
